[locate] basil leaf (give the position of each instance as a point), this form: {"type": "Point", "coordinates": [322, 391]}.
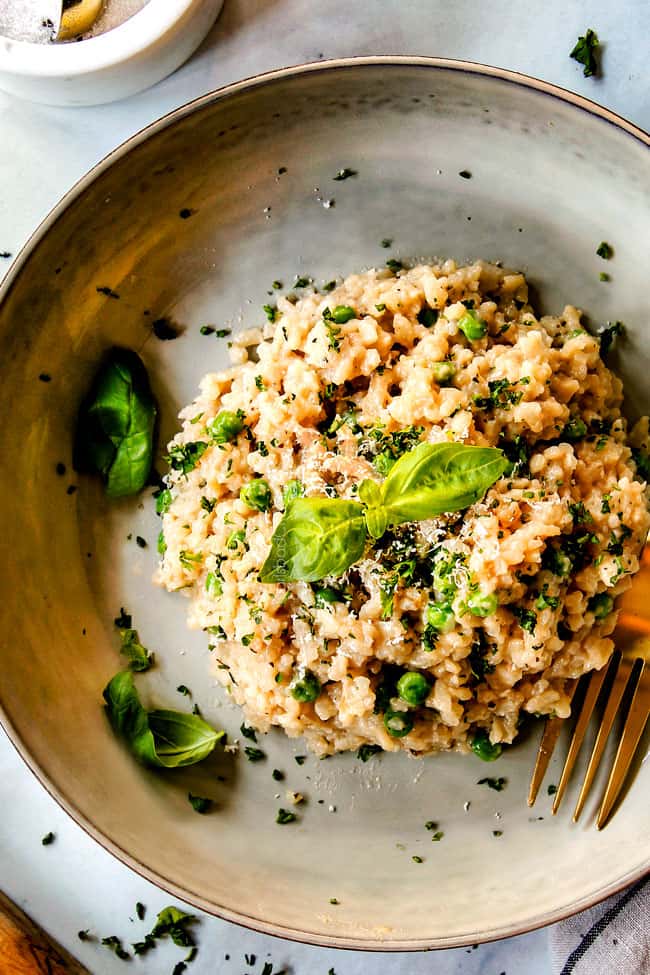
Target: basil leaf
{"type": "Point", "coordinates": [138, 656]}
{"type": "Point", "coordinates": [116, 423]}
{"type": "Point", "coordinates": [433, 479]}
{"type": "Point", "coordinates": [163, 739]}
{"type": "Point", "coordinates": [316, 537]}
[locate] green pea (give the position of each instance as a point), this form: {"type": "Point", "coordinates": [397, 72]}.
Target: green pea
{"type": "Point", "coordinates": [397, 723]}
{"type": "Point", "coordinates": [472, 326]}
{"type": "Point", "coordinates": [292, 490]}
{"type": "Point", "coordinates": [601, 605]}
{"type": "Point", "coordinates": [257, 494]}
{"type": "Point", "coordinates": [342, 314]}
{"type": "Point", "coordinates": [413, 688]}
{"type": "Point", "coordinates": [235, 538]}
{"type": "Point", "coordinates": [213, 584]}
{"type": "Point", "coordinates": [482, 604]}
{"type": "Point", "coordinates": [483, 747]}
{"type": "Point", "coordinates": [305, 688]}
{"type": "Point", "coordinates": [441, 617]}
{"type": "Point", "coordinates": [226, 426]}
{"type": "Point", "coordinates": [324, 596]}
{"type": "Point", "coordinates": [443, 372]}
{"type": "Point", "coordinates": [575, 429]}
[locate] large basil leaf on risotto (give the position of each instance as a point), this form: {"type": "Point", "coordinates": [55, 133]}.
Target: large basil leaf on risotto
{"type": "Point", "coordinates": [164, 739]}
{"type": "Point", "coordinates": [435, 479]}
{"type": "Point", "coordinates": [317, 537]}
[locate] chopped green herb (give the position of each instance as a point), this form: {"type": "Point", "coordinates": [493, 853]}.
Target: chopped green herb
{"type": "Point", "coordinates": [161, 544]}
{"type": "Point", "coordinates": [248, 732]}
{"type": "Point", "coordinates": [138, 656]}
{"type": "Point", "coordinates": [497, 832]}
{"type": "Point", "coordinates": [277, 775]}
{"type": "Point", "coordinates": [284, 816]}
{"type": "Point", "coordinates": [584, 53]}
{"type": "Point", "coordinates": [140, 911]}
{"type": "Point", "coordinates": [365, 752]}
{"type": "Point", "coordinates": [206, 330]}
{"type": "Point", "coordinates": [199, 803]}
{"type": "Point", "coordinates": [604, 276]}
{"type": "Point", "coordinates": [443, 372]}
{"type": "Point", "coordinates": [222, 333]}
{"type": "Point", "coordinates": [417, 859]}
{"type": "Point", "coordinates": [465, 174]}
{"type": "Point", "coordinates": [254, 754]}
{"type": "Point", "coordinates": [551, 790]}
{"type": "Point", "coordinates": [387, 242]}
{"type": "Point", "coordinates": [574, 430]}
{"type": "Point", "coordinates": [84, 935]}
{"type": "Point", "coordinates": [163, 501]}
{"type": "Point", "coordinates": [428, 316]}
{"type": "Point", "coordinates": [174, 922]}
{"type": "Point", "coordinates": [608, 335]}
{"type": "Point", "coordinates": [345, 174]}
{"type": "Point", "coordinates": [497, 784]}
{"type": "Point", "coordinates": [48, 839]}
{"type": "Point", "coordinates": [124, 620]}
{"type": "Point", "coordinates": [115, 945]}
{"type": "Point", "coordinates": [394, 265]}
{"type": "Point", "coordinates": [381, 307]}
{"type": "Point", "coordinates": [300, 759]}
{"type": "Point", "coordinates": [437, 836]}
{"type": "Point", "coordinates": [605, 250]}
{"type": "Point", "coordinates": [185, 456]}
{"type": "Point", "coordinates": [271, 312]}
{"type": "Point", "coordinates": [527, 618]}
{"type": "Point", "coordinates": [182, 689]}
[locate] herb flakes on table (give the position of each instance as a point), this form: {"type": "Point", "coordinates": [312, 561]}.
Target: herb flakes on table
{"type": "Point", "coordinates": [584, 52]}
{"type": "Point", "coordinates": [497, 784]}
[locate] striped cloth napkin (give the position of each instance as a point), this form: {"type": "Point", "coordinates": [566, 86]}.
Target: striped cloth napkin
{"type": "Point", "coordinates": [612, 938]}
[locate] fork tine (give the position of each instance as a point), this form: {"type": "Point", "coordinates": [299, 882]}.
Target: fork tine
{"type": "Point", "coordinates": [551, 734]}
{"type": "Point", "coordinates": [596, 680]}
{"type": "Point", "coordinates": [635, 722]}
{"type": "Point", "coordinates": [613, 702]}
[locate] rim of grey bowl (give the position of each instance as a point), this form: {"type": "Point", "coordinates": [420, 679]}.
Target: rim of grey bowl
{"type": "Point", "coordinates": [148, 873]}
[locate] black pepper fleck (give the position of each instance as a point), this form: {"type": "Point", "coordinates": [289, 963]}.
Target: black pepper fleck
{"type": "Point", "coordinates": [140, 541]}
{"type": "Point", "coordinates": [105, 290]}
{"type": "Point", "coordinates": [60, 469]}
{"type": "Point", "coordinates": [165, 330]}
{"type": "Point", "coordinates": [45, 377]}
{"type": "Point", "coordinates": [186, 213]}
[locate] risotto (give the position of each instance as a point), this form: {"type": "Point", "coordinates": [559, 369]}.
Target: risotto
{"type": "Point", "coordinates": [442, 632]}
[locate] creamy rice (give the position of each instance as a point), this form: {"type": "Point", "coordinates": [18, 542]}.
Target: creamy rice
{"type": "Point", "coordinates": [320, 403]}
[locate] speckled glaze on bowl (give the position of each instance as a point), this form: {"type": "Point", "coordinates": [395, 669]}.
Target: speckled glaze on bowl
{"type": "Point", "coordinates": [551, 176]}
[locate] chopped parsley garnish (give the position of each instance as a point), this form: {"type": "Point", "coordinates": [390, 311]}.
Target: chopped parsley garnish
{"type": "Point", "coordinates": [247, 732]}
{"type": "Point", "coordinates": [199, 803]}
{"type": "Point", "coordinates": [345, 174]}
{"type": "Point", "coordinates": [497, 784]}
{"type": "Point", "coordinates": [527, 618]}
{"type": "Point", "coordinates": [502, 395]}
{"type": "Point", "coordinates": [48, 839]}
{"type": "Point", "coordinates": [364, 752]}
{"type": "Point", "coordinates": [254, 754]}
{"type": "Point", "coordinates": [417, 859]}
{"type": "Point", "coordinates": [584, 52]}
{"type": "Point", "coordinates": [206, 330]}
{"type": "Point", "coordinates": [437, 836]}
{"type": "Point", "coordinates": [140, 911]}
{"type": "Point", "coordinates": [284, 816]}
{"type": "Point", "coordinates": [271, 312]}
{"type": "Point", "coordinates": [139, 658]}
{"type": "Point", "coordinates": [300, 759]}
{"type": "Point", "coordinates": [183, 689]}
{"type": "Point", "coordinates": [185, 456]}
{"type": "Point", "coordinates": [277, 775]}
{"type": "Point", "coordinates": [605, 250]}
{"type": "Point", "coordinates": [115, 945]}
{"type": "Point", "coordinates": [302, 282]}
{"type": "Point", "coordinates": [428, 316]}
{"type": "Point", "coordinates": [394, 265]}
{"type": "Point", "coordinates": [124, 620]}
{"type": "Point", "coordinates": [608, 334]}
{"type": "Point", "coordinates": [551, 790]}
{"type": "Point", "coordinates": [221, 333]}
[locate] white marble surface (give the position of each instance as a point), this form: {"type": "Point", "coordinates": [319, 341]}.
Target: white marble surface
{"type": "Point", "coordinates": [73, 883]}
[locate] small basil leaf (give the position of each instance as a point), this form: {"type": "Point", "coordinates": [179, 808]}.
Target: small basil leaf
{"type": "Point", "coordinates": [138, 656]}
{"type": "Point", "coordinates": [163, 739]}
{"type": "Point", "coordinates": [434, 479]}
{"type": "Point", "coordinates": [376, 521]}
{"type": "Point", "coordinates": [316, 537]}
{"type": "Point", "coordinates": [116, 424]}
{"type": "Point", "coordinates": [370, 493]}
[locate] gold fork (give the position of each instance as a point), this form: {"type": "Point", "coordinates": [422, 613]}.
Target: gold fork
{"type": "Point", "coordinates": [624, 687]}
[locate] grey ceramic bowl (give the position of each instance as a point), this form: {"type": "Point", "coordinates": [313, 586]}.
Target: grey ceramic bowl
{"type": "Point", "coordinates": [551, 176]}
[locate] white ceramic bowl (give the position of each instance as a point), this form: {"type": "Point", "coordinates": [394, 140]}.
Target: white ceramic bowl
{"type": "Point", "coordinates": [137, 54]}
{"type": "Point", "coordinates": [552, 176]}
